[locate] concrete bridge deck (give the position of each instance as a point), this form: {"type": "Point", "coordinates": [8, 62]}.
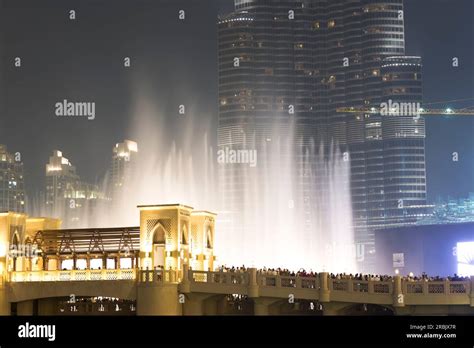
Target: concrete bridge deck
{"type": "Point", "coordinates": [161, 292]}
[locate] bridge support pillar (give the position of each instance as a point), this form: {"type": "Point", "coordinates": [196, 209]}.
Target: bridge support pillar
{"type": "Point", "coordinates": [253, 285]}
{"type": "Point", "coordinates": [47, 306]}
{"type": "Point", "coordinates": [262, 306]}
{"type": "Point", "coordinates": [196, 304]}
{"type": "Point", "coordinates": [398, 296]}
{"type": "Point", "coordinates": [25, 308]}
{"type": "Point", "coordinates": [324, 293]}
{"type": "Point", "coordinates": [5, 306]}
{"type": "Point", "coordinates": [158, 299]}
{"type": "Point", "coordinates": [211, 305]}
{"type": "Point", "coordinates": [471, 295]}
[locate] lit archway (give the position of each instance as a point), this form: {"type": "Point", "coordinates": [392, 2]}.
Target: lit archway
{"type": "Point", "coordinates": [158, 247]}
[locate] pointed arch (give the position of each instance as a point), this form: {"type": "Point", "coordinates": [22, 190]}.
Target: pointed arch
{"type": "Point", "coordinates": [209, 239]}
{"type": "Point", "coordinates": [38, 241]}
{"type": "Point", "coordinates": [184, 234]}
{"type": "Point", "coordinates": [158, 234]}
{"type": "Point", "coordinates": [15, 240]}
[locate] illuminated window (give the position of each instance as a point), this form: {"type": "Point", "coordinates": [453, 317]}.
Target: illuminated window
{"type": "Point", "coordinates": [110, 264]}
{"type": "Point", "coordinates": [299, 66]}
{"type": "Point", "coordinates": [125, 263]}
{"type": "Point", "coordinates": [67, 264]}
{"type": "Point", "coordinates": [81, 264]}
{"type": "Point", "coordinates": [95, 263]}
{"type": "Point", "coordinates": [331, 23]}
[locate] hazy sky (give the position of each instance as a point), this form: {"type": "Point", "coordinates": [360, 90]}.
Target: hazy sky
{"type": "Point", "coordinates": [82, 60]}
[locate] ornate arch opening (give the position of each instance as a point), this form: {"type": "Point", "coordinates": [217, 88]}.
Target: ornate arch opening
{"type": "Point", "coordinates": [184, 235]}
{"type": "Point", "coordinates": [159, 233]}
{"type": "Point", "coordinates": [209, 241]}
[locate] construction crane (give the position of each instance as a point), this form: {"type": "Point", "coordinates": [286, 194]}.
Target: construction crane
{"type": "Point", "coordinates": [418, 110]}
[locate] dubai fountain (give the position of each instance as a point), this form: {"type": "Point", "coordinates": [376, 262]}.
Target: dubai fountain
{"type": "Point", "coordinates": [177, 164]}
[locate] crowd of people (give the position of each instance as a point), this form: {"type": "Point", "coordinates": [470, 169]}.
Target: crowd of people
{"type": "Point", "coordinates": [340, 276]}
{"type": "Point", "coordinates": [454, 278]}
{"type": "Point", "coordinates": [361, 277]}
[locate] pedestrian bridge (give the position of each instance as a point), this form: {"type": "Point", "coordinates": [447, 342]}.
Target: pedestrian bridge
{"type": "Point", "coordinates": [159, 268]}
{"type": "Point", "coordinates": [192, 292]}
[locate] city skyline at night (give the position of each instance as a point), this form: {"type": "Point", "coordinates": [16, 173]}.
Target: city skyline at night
{"type": "Point", "coordinates": [162, 161]}
{"type": "Point", "coordinates": [165, 106]}
{"type": "Point", "coordinates": [441, 83]}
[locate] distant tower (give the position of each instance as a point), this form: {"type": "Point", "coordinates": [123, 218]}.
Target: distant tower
{"type": "Point", "coordinates": [67, 196]}
{"type": "Point", "coordinates": [12, 192]}
{"type": "Point", "coordinates": [123, 165]}
{"type": "Point", "coordinates": [61, 179]}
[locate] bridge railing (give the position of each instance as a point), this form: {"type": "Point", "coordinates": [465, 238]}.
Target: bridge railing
{"type": "Point", "coordinates": [279, 281]}
{"type": "Point", "coordinates": [73, 275]}
{"type": "Point", "coordinates": [159, 276]}
{"type": "Point", "coordinates": [444, 287]}
{"type": "Point", "coordinates": [229, 278]}
{"type": "Point", "coordinates": [364, 286]}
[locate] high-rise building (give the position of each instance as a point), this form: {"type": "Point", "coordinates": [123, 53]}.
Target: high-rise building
{"type": "Point", "coordinates": [61, 180]}
{"type": "Point", "coordinates": [403, 134]}
{"type": "Point", "coordinates": [314, 57]}
{"type": "Point", "coordinates": [123, 165]}
{"type": "Point", "coordinates": [67, 196]}
{"type": "Point", "coordinates": [366, 67]}
{"type": "Point", "coordinates": [12, 192]}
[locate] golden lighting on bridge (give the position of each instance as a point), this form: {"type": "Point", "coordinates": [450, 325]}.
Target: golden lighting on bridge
{"type": "Point", "coordinates": [169, 236]}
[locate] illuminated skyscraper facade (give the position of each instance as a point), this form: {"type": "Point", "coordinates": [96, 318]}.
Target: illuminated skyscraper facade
{"type": "Point", "coordinates": [314, 57]}
{"type": "Point", "coordinates": [123, 165]}
{"type": "Point", "coordinates": [67, 196]}
{"type": "Point", "coordinates": [12, 191]}
{"type": "Point", "coordinates": [366, 68]}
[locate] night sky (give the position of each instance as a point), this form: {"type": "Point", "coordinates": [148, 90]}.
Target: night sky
{"type": "Point", "coordinates": [82, 60]}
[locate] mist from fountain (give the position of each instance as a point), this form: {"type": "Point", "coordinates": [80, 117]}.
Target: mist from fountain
{"type": "Point", "coordinates": [177, 164]}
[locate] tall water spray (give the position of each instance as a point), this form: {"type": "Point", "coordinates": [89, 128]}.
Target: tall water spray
{"type": "Point", "coordinates": [276, 227]}
{"type": "Point", "coordinates": [296, 211]}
